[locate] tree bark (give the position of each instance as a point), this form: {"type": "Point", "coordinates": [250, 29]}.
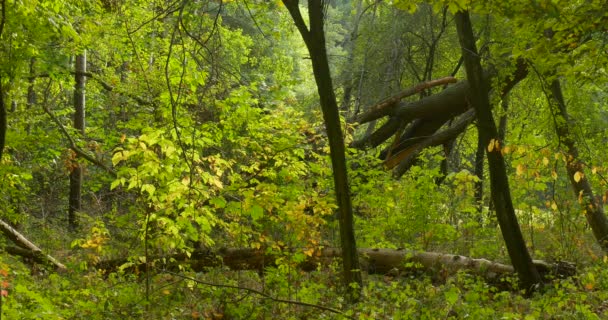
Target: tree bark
{"type": "Point", "coordinates": [592, 206]}
{"type": "Point", "coordinates": [479, 161]}
{"type": "Point", "coordinates": [30, 249]}
{"type": "Point", "coordinates": [75, 197]}
{"type": "Point", "coordinates": [499, 183]}
{"type": "Point", "coordinates": [3, 122]}
{"type": "Point", "coordinates": [388, 262]}
{"type": "Point", "coordinates": [315, 42]}
{"type": "Point", "coordinates": [31, 92]}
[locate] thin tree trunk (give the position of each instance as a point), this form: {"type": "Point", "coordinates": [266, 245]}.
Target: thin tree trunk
{"type": "Point", "coordinates": [350, 48]}
{"type": "Point", "coordinates": [315, 42]}
{"type": "Point", "coordinates": [502, 133]}
{"type": "Point", "coordinates": [499, 183]}
{"type": "Point", "coordinates": [479, 158]}
{"type": "Point", "coordinates": [75, 198]}
{"type": "Point", "coordinates": [594, 211]}
{"type": "Point", "coordinates": [502, 124]}
{"type": "Point", "coordinates": [2, 120]}
{"type": "Point", "coordinates": [2, 103]}
{"type": "Point", "coordinates": [31, 93]}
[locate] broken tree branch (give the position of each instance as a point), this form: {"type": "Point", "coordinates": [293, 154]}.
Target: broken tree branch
{"type": "Point", "coordinates": [27, 248]}
{"type": "Point", "coordinates": [387, 106]}
{"type": "Point", "coordinates": [406, 158]}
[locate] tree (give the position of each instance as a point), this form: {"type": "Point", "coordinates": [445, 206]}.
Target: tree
{"type": "Point", "coordinates": [314, 38]}
{"type": "Point", "coordinates": [75, 197]}
{"type": "Point", "coordinates": [3, 121]}
{"type": "Point", "coordinates": [488, 136]}
{"type": "Point", "coordinates": [592, 206]}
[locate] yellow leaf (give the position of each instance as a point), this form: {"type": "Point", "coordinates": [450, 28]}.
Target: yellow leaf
{"type": "Point", "coordinates": [186, 180]}
{"type": "Point", "coordinates": [166, 292]}
{"type": "Point", "coordinates": [545, 161]}
{"type": "Point", "coordinates": [594, 170]}
{"type": "Point", "coordinates": [580, 197]}
{"type": "Point", "coordinates": [506, 150]}
{"type": "Point", "coordinates": [589, 286]}
{"type": "Point", "coordinates": [216, 182]}
{"type": "Point", "coordinates": [520, 169]}
{"type": "Point", "coordinates": [554, 175]}
{"type": "Point", "coordinates": [491, 145]}
{"type": "Point", "coordinates": [554, 206]}
{"type": "Point", "coordinates": [578, 176]}
{"type": "Point", "coordinates": [309, 252]}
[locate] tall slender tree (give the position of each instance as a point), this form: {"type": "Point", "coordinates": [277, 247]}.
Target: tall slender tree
{"type": "Point", "coordinates": [75, 198]}
{"type": "Point", "coordinates": [2, 104]}
{"type": "Point", "coordinates": [488, 136]}
{"type": "Point", "coordinates": [594, 211]}
{"type": "Point", "coordinates": [314, 38]}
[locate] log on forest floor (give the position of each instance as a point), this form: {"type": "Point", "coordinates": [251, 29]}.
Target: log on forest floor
{"type": "Point", "coordinates": [373, 261]}
{"type": "Point", "coordinates": [26, 248]}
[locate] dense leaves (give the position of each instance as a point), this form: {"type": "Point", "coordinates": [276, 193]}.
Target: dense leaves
{"type": "Point", "coordinates": [204, 131]}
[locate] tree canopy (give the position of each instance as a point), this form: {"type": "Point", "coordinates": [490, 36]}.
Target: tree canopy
{"type": "Point", "coordinates": [248, 159]}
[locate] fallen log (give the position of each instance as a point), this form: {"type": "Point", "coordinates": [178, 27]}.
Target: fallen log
{"type": "Point", "coordinates": [26, 248]}
{"type": "Point", "coordinates": [372, 261]}
{"type": "Point", "coordinates": [424, 117]}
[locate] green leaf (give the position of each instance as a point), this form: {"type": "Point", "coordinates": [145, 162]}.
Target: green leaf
{"type": "Point", "coordinates": [256, 212]}
{"type": "Point", "coordinates": [148, 188]}
{"type": "Point", "coordinates": [115, 184]}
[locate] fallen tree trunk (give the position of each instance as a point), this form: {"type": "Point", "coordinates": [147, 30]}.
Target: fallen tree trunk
{"type": "Point", "coordinates": [423, 118]}
{"type": "Point", "coordinates": [372, 261]}
{"type": "Point", "coordinates": [26, 248]}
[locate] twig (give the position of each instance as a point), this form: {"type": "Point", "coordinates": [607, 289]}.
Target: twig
{"type": "Point", "coordinates": [73, 144]}
{"type": "Point", "coordinates": [265, 295]}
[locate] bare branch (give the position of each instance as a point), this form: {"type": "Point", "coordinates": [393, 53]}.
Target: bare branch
{"type": "Point", "coordinates": [260, 293]}
{"type": "Point", "coordinates": [388, 106]}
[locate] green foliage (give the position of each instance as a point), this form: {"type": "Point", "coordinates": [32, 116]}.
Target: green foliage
{"type": "Point", "coordinates": [208, 115]}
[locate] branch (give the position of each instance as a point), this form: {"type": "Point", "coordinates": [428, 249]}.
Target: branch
{"type": "Point", "coordinates": [103, 84]}
{"type": "Point", "coordinates": [27, 248]}
{"type": "Point", "coordinates": [387, 106]}
{"type": "Point", "coordinates": [75, 147]}
{"type": "Point", "coordinates": [379, 136]}
{"type": "Point", "coordinates": [406, 157]}
{"type": "Point", "coordinates": [293, 6]}
{"type": "Point", "coordinates": [265, 295]}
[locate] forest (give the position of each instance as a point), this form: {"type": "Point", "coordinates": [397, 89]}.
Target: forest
{"type": "Point", "coordinates": [314, 159]}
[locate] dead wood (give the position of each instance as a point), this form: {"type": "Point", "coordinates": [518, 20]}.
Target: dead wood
{"type": "Point", "coordinates": [26, 248]}
{"type": "Point", "coordinates": [373, 261]}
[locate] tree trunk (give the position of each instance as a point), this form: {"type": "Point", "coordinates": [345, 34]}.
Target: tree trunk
{"type": "Point", "coordinates": [30, 249]}
{"type": "Point", "coordinates": [388, 262]}
{"type": "Point", "coordinates": [3, 122]}
{"type": "Point", "coordinates": [315, 42]}
{"type": "Point", "coordinates": [31, 92]}
{"type": "Point", "coordinates": [75, 198]}
{"type": "Point", "coordinates": [499, 183]}
{"type": "Point", "coordinates": [479, 161]}
{"type": "Point", "coordinates": [592, 206]}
